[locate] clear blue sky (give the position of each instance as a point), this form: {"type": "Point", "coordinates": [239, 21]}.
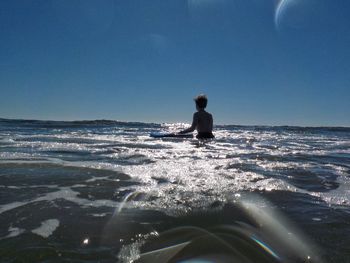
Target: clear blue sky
{"type": "Point", "coordinates": [260, 62]}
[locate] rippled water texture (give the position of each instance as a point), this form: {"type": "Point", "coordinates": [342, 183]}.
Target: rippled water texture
{"type": "Point", "coordinates": [105, 191]}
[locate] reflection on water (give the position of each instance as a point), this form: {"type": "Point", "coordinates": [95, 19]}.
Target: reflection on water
{"type": "Point", "coordinates": [104, 190]}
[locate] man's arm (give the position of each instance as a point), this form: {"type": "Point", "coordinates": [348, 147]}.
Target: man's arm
{"type": "Point", "coordinates": [193, 126]}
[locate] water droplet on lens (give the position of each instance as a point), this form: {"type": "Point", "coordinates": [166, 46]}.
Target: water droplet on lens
{"type": "Point", "coordinates": [86, 241]}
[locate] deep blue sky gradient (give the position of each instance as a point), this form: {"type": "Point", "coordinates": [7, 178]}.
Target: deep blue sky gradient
{"type": "Point", "coordinates": [142, 60]}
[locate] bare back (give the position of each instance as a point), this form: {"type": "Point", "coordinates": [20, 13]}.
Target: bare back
{"type": "Point", "coordinates": [203, 121]}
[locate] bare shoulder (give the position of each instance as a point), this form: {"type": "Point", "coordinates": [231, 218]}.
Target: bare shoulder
{"type": "Point", "coordinates": [208, 114]}
{"type": "Point", "coordinates": [195, 118]}
{"type": "Point", "coordinates": [202, 114]}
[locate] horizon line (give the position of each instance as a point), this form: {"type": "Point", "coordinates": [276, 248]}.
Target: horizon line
{"type": "Point", "coordinates": [145, 122]}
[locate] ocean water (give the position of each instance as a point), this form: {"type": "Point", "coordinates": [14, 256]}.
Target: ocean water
{"type": "Point", "coordinates": [104, 191]}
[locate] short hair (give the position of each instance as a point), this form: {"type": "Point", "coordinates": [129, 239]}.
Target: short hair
{"type": "Point", "coordinates": [201, 101]}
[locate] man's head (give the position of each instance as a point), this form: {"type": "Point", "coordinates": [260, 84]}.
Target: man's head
{"type": "Point", "coordinates": [201, 101]}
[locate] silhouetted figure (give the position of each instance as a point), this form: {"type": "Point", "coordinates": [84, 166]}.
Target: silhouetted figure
{"type": "Point", "coordinates": [202, 120]}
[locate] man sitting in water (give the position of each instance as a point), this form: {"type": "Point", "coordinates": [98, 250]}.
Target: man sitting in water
{"type": "Point", "coordinates": [202, 120]}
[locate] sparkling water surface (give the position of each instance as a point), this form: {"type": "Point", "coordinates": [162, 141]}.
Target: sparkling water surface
{"type": "Point", "coordinates": [104, 191]}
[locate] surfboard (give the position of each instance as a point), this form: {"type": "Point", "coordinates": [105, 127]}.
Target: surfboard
{"type": "Point", "coordinates": [170, 135]}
